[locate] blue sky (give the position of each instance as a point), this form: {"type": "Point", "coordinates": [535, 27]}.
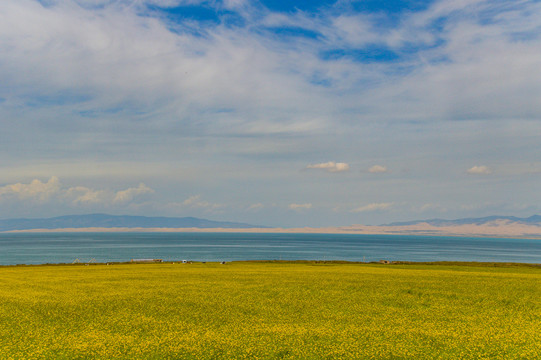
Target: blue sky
{"type": "Point", "coordinates": [297, 113]}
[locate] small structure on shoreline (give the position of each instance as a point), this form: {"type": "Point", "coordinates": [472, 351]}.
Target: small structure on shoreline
{"type": "Point", "coordinates": [146, 260]}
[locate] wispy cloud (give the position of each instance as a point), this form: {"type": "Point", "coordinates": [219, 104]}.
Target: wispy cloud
{"type": "Point", "coordinates": [479, 170]}
{"type": "Point", "coordinates": [377, 169]}
{"type": "Point", "coordinates": [373, 207]}
{"type": "Point", "coordinates": [300, 206]}
{"type": "Point", "coordinates": [255, 207]}
{"type": "Point", "coordinates": [330, 166]}
{"type": "Point", "coordinates": [430, 207]}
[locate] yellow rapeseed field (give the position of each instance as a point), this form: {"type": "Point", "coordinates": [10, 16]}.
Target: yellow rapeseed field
{"type": "Point", "coordinates": [270, 311]}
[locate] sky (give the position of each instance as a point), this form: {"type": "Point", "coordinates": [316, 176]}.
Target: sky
{"type": "Point", "coordinates": [271, 112]}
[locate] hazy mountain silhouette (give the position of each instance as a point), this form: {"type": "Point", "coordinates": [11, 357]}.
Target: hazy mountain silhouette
{"type": "Point", "coordinates": [115, 221]}
{"type": "Point", "coordinates": [532, 220]}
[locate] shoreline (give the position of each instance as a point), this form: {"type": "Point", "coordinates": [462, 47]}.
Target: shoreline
{"type": "Point", "coordinates": [492, 230]}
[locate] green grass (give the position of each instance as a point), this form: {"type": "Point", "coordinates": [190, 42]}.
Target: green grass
{"type": "Point", "coordinates": [270, 310]}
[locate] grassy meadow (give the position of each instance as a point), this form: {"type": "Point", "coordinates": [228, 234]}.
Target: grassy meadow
{"type": "Point", "coordinates": [269, 311]}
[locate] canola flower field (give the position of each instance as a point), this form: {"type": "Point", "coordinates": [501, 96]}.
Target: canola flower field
{"type": "Point", "coordinates": [246, 310]}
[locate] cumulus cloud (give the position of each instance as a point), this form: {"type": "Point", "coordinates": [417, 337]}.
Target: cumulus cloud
{"type": "Point", "coordinates": [53, 191]}
{"type": "Point", "coordinates": [376, 169]}
{"type": "Point", "coordinates": [128, 195]}
{"type": "Point", "coordinates": [36, 190]}
{"type": "Point", "coordinates": [373, 207]}
{"type": "Point", "coordinates": [300, 206]}
{"type": "Point", "coordinates": [479, 170]}
{"type": "Point", "coordinates": [82, 195]}
{"type": "Point", "coordinates": [330, 166]}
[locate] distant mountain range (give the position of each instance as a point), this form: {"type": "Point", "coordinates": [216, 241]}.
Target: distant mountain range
{"type": "Point", "coordinates": [499, 226]}
{"type": "Point", "coordinates": [117, 221]}
{"type": "Point", "coordinates": [532, 220]}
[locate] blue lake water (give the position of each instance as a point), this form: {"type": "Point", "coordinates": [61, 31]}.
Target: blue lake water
{"type": "Point", "coordinates": [41, 248]}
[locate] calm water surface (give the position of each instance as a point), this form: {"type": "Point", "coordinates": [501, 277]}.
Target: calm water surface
{"type": "Point", "coordinates": [41, 248]}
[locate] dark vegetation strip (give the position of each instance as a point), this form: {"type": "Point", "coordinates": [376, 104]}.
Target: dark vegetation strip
{"type": "Point", "coordinates": [310, 262]}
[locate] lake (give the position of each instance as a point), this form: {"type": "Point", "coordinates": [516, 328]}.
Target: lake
{"type": "Point", "coordinates": [41, 248]}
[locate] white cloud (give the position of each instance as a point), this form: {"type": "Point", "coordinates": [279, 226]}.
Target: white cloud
{"type": "Point", "coordinates": [256, 207]}
{"type": "Point", "coordinates": [36, 190]}
{"type": "Point", "coordinates": [330, 166]}
{"type": "Point", "coordinates": [300, 206]}
{"type": "Point", "coordinates": [430, 207]}
{"type": "Point", "coordinates": [116, 59]}
{"type": "Point", "coordinates": [479, 170]}
{"type": "Point", "coordinates": [82, 195]}
{"type": "Point", "coordinates": [54, 192]}
{"type": "Point", "coordinates": [354, 30]}
{"type": "Point", "coordinates": [128, 195]}
{"type": "Point", "coordinates": [104, 54]}
{"type": "Point", "coordinates": [377, 169]}
{"type": "Point", "coordinates": [373, 207]}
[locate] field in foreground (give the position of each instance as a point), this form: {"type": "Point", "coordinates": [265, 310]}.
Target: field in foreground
{"type": "Point", "coordinates": [270, 310]}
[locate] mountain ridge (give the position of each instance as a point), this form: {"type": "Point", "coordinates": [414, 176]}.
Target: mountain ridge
{"type": "Point", "coordinates": [99, 220]}
{"type": "Point", "coordinates": [531, 220]}
{"type": "Point", "coordinates": [495, 225]}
